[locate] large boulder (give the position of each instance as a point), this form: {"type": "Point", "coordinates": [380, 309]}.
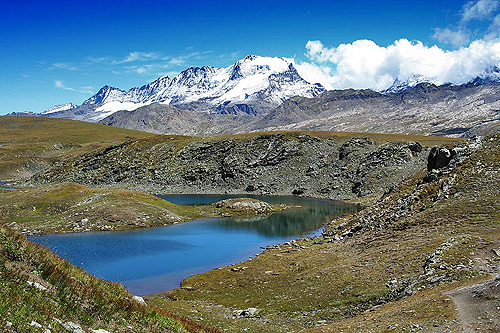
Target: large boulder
{"type": "Point", "coordinates": [439, 157]}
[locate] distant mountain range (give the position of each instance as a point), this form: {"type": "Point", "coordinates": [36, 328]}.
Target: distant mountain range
{"type": "Point", "coordinates": [252, 85]}
{"type": "Point", "coordinates": [267, 93]}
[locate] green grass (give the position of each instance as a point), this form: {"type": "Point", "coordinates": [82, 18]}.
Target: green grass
{"type": "Point", "coordinates": [70, 207]}
{"type": "Point", "coordinates": [29, 144]}
{"type": "Point", "coordinates": [70, 294]}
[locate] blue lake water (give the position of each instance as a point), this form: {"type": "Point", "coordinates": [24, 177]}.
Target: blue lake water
{"type": "Point", "coordinates": [150, 260]}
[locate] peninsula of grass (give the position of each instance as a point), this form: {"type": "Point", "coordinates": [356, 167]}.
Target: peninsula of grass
{"type": "Point", "coordinates": [70, 207]}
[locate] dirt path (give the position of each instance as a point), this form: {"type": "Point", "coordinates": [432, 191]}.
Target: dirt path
{"type": "Point", "coordinates": [479, 306]}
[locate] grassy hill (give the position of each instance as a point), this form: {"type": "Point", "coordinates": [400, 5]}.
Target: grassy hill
{"type": "Point", "coordinates": [39, 290]}
{"type": "Point", "coordinates": [29, 144]}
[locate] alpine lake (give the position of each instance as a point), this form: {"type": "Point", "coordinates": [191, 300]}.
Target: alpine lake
{"type": "Point", "coordinates": [150, 260]}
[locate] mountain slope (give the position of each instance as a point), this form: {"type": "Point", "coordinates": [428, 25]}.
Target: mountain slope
{"type": "Point", "coordinates": [162, 119]}
{"type": "Point", "coordinates": [422, 109]}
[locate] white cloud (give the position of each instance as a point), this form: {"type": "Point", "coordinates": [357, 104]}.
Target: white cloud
{"type": "Point", "coordinates": [479, 10]}
{"type": "Point", "coordinates": [63, 65]}
{"type": "Point", "coordinates": [494, 29]}
{"type": "Point", "coordinates": [315, 74]}
{"type": "Point", "coordinates": [448, 36]}
{"type": "Point", "coordinates": [364, 64]}
{"type": "Point", "coordinates": [181, 60]}
{"type": "Point", "coordinates": [59, 84]}
{"type": "Point", "coordinates": [140, 56]}
{"type": "Point", "coordinates": [84, 90]}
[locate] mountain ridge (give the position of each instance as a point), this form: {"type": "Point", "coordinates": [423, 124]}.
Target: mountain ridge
{"type": "Point", "coordinates": [260, 82]}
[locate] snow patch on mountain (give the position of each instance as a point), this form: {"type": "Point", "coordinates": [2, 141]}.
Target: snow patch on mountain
{"type": "Point", "coordinates": [60, 107]}
{"type": "Point", "coordinates": [400, 85]}
{"type": "Point", "coordinates": [109, 108]}
{"type": "Point", "coordinates": [489, 76]}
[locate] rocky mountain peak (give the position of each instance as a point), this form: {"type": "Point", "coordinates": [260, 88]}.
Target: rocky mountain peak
{"type": "Point", "coordinates": [489, 76]}
{"type": "Point", "coordinates": [400, 85]}
{"type": "Point", "coordinates": [105, 94]}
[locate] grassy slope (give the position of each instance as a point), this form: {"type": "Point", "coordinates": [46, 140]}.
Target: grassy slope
{"type": "Point", "coordinates": [72, 207]}
{"type": "Point", "coordinates": [453, 225]}
{"type": "Point", "coordinates": [71, 295]}
{"type": "Point", "coordinates": [28, 144]}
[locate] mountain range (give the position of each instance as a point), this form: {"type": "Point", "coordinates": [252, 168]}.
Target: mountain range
{"type": "Point", "coordinates": [268, 93]}
{"type": "Point", "coordinates": [252, 85]}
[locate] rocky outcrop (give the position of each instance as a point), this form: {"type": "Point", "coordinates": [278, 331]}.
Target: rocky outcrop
{"type": "Point", "coordinates": [439, 158]}
{"type": "Point", "coordinates": [277, 163]}
{"type": "Point", "coordinates": [245, 205]}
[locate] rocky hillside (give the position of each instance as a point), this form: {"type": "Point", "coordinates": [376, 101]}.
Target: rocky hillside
{"type": "Point", "coordinates": [275, 163]}
{"type": "Point", "coordinates": [462, 110]}
{"type": "Point", "coordinates": [423, 257]}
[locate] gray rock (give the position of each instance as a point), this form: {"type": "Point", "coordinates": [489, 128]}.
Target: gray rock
{"type": "Point", "coordinates": [250, 312]}
{"type": "Point", "coordinates": [35, 324]}
{"type": "Point", "coordinates": [439, 158]}
{"type": "Point", "coordinates": [139, 299]}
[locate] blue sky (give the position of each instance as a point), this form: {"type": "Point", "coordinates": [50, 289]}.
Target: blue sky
{"type": "Point", "coordinates": [54, 52]}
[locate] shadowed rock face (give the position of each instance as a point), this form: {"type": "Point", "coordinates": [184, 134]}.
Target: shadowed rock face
{"type": "Point", "coordinates": [439, 158]}
{"type": "Point", "coordinates": [263, 164]}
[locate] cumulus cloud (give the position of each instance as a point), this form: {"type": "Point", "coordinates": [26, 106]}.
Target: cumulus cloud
{"type": "Point", "coordinates": [479, 10]}
{"type": "Point", "coordinates": [315, 74]}
{"type": "Point", "coordinates": [448, 36]}
{"type": "Point", "coordinates": [364, 64]}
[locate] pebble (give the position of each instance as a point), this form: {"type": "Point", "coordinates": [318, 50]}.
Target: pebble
{"type": "Point", "coordinates": [35, 324]}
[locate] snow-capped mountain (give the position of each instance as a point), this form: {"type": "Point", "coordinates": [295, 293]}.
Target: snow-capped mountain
{"type": "Point", "coordinates": [60, 107]}
{"type": "Point", "coordinates": [400, 85]}
{"type": "Point", "coordinates": [253, 84]}
{"type": "Point", "coordinates": [489, 76]}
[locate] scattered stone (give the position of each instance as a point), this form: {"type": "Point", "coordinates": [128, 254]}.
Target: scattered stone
{"type": "Point", "coordinates": [70, 326]}
{"type": "Point", "coordinates": [100, 330]}
{"type": "Point", "coordinates": [37, 285]}
{"type": "Point", "coordinates": [439, 158]}
{"type": "Point", "coordinates": [8, 324]}
{"type": "Point", "coordinates": [35, 324]}
{"type": "Point", "coordinates": [250, 312]}
{"type": "Point", "coordinates": [415, 147]}
{"type": "Point", "coordinates": [139, 299]}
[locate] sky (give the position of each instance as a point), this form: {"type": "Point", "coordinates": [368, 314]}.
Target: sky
{"type": "Point", "coordinates": [54, 52]}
